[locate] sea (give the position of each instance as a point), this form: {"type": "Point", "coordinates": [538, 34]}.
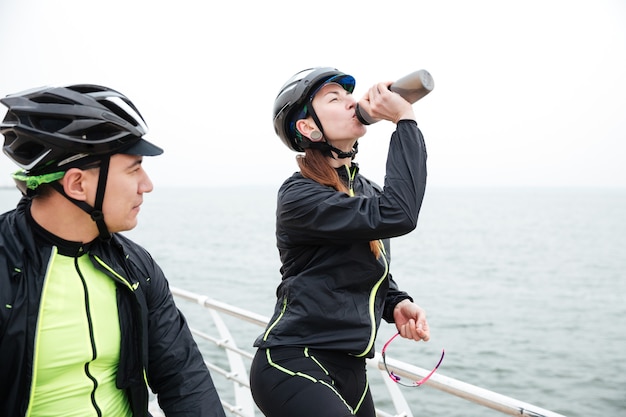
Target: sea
{"type": "Point", "coordinates": [524, 288]}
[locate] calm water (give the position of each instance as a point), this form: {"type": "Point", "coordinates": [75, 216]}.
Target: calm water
{"type": "Point", "coordinates": [524, 288]}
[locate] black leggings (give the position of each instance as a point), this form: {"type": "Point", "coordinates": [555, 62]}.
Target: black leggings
{"type": "Point", "coordinates": [289, 382]}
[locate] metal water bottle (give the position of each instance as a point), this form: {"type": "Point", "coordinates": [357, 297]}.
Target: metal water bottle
{"type": "Point", "coordinates": [411, 87]}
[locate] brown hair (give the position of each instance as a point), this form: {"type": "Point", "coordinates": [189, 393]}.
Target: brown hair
{"type": "Point", "coordinates": [313, 165]}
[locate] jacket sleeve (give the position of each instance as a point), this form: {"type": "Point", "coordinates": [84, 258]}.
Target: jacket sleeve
{"type": "Point", "coordinates": [394, 296]}
{"type": "Point", "coordinates": [176, 371]}
{"type": "Point", "coordinates": [313, 214]}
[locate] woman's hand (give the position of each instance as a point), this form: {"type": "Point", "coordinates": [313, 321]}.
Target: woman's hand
{"type": "Point", "coordinates": [383, 104]}
{"type": "Point", "coordinates": [411, 321]}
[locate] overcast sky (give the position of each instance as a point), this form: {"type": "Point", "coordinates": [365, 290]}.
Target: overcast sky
{"type": "Point", "coordinates": [529, 93]}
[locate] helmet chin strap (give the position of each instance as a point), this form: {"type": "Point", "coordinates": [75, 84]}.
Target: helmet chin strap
{"type": "Point", "coordinates": [96, 211]}
{"type": "Point", "coordinates": [342, 155]}
{"type": "Point", "coordinates": [326, 148]}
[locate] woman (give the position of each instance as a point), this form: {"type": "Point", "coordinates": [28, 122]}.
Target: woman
{"type": "Point", "coordinates": [333, 228]}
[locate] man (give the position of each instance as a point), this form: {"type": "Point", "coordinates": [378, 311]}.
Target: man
{"type": "Point", "coordinates": [87, 321]}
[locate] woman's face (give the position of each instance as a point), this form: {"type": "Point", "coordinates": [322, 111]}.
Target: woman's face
{"type": "Point", "coordinates": [335, 108]}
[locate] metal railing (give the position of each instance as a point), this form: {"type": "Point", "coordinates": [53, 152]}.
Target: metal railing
{"type": "Point", "coordinates": [244, 406]}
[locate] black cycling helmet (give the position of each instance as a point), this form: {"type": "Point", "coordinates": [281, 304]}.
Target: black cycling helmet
{"type": "Point", "coordinates": [294, 102]}
{"type": "Point", "coordinates": [52, 129]}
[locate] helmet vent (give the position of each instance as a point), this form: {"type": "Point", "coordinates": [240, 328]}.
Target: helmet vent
{"type": "Point", "coordinates": [49, 99]}
{"type": "Point", "coordinates": [28, 151]}
{"type": "Point", "coordinates": [50, 125]}
{"type": "Point", "coordinates": [118, 111]}
{"type": "Point", "coordinates": [100, 132]}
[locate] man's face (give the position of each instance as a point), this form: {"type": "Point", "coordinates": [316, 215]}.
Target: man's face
{"type": "Point", "coordinates": [126, 183]}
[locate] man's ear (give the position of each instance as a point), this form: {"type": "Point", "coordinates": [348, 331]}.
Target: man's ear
{"type": "Point", "coordinates": [75, 184]}
{"type": "Point", "coordinates": [307, 128]}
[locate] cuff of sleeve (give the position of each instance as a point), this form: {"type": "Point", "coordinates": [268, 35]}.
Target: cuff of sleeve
{"type": "Point", "coordinates": [391, 304]}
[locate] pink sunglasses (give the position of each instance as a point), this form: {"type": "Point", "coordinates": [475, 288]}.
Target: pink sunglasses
{"type": "Point", "coordinates": [397, 378]}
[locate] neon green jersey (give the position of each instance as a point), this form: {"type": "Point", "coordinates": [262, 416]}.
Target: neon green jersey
{"type": "Point", "coordinates": [77, 348]}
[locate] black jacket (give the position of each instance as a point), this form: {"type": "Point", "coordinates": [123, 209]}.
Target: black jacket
{"type": "Point", "coordinates": [334, 292]}
{"type": "Point", "coordinates": [155, 338]}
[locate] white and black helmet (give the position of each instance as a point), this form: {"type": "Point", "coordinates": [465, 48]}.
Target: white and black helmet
{"type": "Point", "coordinates": [52, 129]}
{"type": "Point", "coordinates": [294, 101]}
